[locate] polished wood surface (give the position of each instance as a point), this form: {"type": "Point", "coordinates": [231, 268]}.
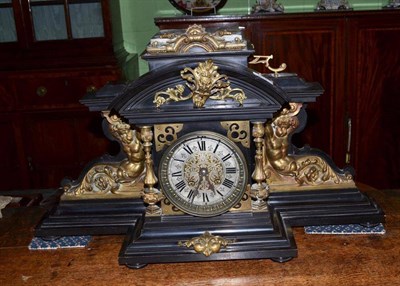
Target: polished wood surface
{"type": "Point", "coordinates": [322, 260]}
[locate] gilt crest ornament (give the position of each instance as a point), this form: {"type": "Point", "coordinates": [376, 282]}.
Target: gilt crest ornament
{"type": "Point", "coordinates": [204, 82]}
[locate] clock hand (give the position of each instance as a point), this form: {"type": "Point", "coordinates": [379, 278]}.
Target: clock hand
{"type": "Point", "coordinates": [196, 189]}
{"type": "Point", "coordinates": [203, 175]}
{"type": "Point", "coordinates": [195, 193]}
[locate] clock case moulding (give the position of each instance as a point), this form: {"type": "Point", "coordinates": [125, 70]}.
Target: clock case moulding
{"type": "Point", "coordinates": [294, 198]}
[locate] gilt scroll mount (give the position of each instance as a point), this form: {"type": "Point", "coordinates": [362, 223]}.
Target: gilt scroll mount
{"type": "Point", "coordinates": [265, 60]}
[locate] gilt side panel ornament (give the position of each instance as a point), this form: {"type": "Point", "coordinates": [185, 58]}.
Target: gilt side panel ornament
{"type": "Point", "coordinates": [124, 177]}
{"type": "Point", "coordinates": [166, 134]}
{"type": "Point", "coordinates": [284, 170]}
{"type": "Point", "coordinates": [238, 131]}
{"type": "Point", "coordinates": [204, 82]}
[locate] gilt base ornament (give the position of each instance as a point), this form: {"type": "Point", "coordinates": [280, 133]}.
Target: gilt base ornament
{"type": "Point", "coordinates": [207, 170]}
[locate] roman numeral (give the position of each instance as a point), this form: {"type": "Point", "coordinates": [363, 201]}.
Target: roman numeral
{"type": "Point", "coordinates": [177, 174]}
{"type": "Point", "coordinates": [227, 183]}
{"type": "Point", "coordinates": [231, 170]}
{"type": "Point", "coordinates": [202, 145]}
{"type": "Point", "coordinates": [180, 186]}
{"type": "Point", "coordinates": [216, 147]}
{"type": "Point", "coordinates": [205, 198]}
{"type": "Point", "coordinates": [220, 193]}
{"type": "Point", "coordinates": [226, 157]}
{"type": "Point", "coordinates": [190, 196]}
{"type": "Point", "coordinates": [187, 149]}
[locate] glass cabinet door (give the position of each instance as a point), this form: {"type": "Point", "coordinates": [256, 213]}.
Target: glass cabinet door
{"type": "Point", "coordinates": [66, 19]}
{"type": "Point", "coordinates": [86, 20]}
{"type": "Point", "coordinates": [49, 22]}
{"type": "Point", "coordinates": [8, 32]}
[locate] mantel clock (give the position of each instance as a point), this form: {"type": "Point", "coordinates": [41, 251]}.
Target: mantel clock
{"type": "Point", "coordinates": [207, 170]}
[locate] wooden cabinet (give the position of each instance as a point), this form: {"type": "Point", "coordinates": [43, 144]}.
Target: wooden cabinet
{"type": "Point", "coordinates": [374, 96]}
{"type": "Point", "coordinates": [46, 134]}
{"type": "Point", "coordinates": [309, 48]}
{"type": "Point", "coordinates": [355, 56]}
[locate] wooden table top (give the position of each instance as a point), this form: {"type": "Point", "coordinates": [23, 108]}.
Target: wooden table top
{"type": "Point", "coordinates": [322, 259]}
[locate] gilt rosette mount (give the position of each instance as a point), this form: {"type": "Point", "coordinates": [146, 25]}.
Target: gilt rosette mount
{"type": "Point", "coordinates": [204, 82]}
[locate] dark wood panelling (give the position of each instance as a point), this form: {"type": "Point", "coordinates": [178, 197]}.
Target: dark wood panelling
{"type": "Point", "coordinates": [61, 144]}
{"type": "Point", "coordinates": [375, 99]}
{"type": "Point", "coordinates": [12, 164]}
{"type": "Point", "coordinates": [308, 50]}
{"type": "Point", "coordinates": [7, 96]}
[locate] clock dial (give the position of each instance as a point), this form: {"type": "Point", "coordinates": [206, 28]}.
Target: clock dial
{"type": "Point", "coordinates": [203, 174]}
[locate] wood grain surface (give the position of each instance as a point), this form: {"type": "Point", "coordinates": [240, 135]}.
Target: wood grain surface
{"type": "Point", "coordinates": [322, 260]}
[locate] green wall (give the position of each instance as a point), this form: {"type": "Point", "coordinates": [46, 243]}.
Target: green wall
{"type": "Point", "coordinates": [133, 23]}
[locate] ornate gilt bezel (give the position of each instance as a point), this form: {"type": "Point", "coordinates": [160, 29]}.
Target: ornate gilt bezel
{"type": "Point", "coordinates": [237, 195]}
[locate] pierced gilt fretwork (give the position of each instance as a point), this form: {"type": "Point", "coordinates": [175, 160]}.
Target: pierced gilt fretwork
{"type": "Point", "coordinates": [196, 37]}
{"type": "Point", "coordinates": [204, 82]}
{"type": "Point", "coordinates": [238, 132]}
{"type": "Point", "coordinates": [265, 60]}
{"type": "Point", "coordinates": [206, 244]}
{"type": "Point", "coordinates": [283, 168]}
{"type": "Point", "coordinates": [114, 177]}
{"type": "Point", "coordinates": [166, 134]}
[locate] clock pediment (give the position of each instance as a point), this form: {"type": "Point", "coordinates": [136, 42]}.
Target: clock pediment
{"type": "Point", "coordinates": [137, 103]}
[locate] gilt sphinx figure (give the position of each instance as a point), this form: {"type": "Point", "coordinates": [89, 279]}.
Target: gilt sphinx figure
{"type": "Point", "coordinates": [284, 170]}
{"type": "Point", "coordinates": [121, 177]}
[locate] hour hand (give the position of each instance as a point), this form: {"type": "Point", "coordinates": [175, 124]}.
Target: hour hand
{"type": "Point", "coordinates": [195, 191]}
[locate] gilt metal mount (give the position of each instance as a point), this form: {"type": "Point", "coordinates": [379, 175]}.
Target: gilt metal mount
{"type": "Point", "coordinates": [196, 37]}
{"type": "Point", "coordinates": [206, 244]}
{"type": "Point", "coordinates": [265, 60]}
{"type": "Point", "coordinates": [204, 82]}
